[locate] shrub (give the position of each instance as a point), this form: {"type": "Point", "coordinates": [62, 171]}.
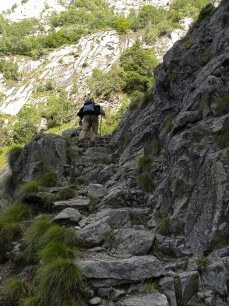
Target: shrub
{"type": "Point", "coordinates": [30, 187]}
{"type": "Point", "coordinates": [145, 182]}
{"type": "Point", "coordinates": [144, 162]}
{"type": "Point", "coordinates": [56, 233]}
{"type": "Point", "coordinates": [60, 282]}
{"type": "Point", "coordinates": [48, 179]}
{"type": "Point", "coordinates": [121, 25]}
{"type": "Point", "coordinates": [56, 249]}
{"type": "Point", "coordinates": [31, 301]}
{"type": "Point", "coordinates": [9, 70]}
{"type": "Point", "coordinates": [26, 257]}
{"type": "Point", "coordinates": [67, 193]}
{"type": "Point", "coordinates": [164, 227]}
{"type": "Point", "coordinates": [15, 289]}
{"type": "Point", "coordinates": [13, 155]}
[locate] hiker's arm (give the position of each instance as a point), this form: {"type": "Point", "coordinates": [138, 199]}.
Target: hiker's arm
{"type": "Point", "coordinates": [102, 112]}
{"type": "Point", "coordinates": [80, 115]}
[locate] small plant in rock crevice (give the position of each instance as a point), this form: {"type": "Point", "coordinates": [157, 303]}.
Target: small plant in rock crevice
{"type": "Point", "coordinates": [93, 204]}
{"type": "Point", "coordinates": [48, 179]}
{"type": "Point", "coordinates": [151, 287]}
{"type": "Point", "coordinates": [164, 227]}
{"type": "Point", "coordinates": [168, 125]}
{"type": "Point", "coordinates": [110, 240]}
{"type": "Point", "coordinates": [144, 162]}
{"type": "Point", "coordinates": [202, 262]}
{"type": "Point", "coordinates": [222, 136]}
{"type": "Point", "coordinates": [67, 193]}
{"type": "Point", "coordinates": [145, 182]}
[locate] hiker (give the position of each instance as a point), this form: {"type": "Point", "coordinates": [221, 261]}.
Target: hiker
{"type": "Point", "coordinates": [89, 114]}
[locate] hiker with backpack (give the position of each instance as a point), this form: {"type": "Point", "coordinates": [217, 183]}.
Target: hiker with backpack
{"type": "Point", "coordinates": [88, 115]}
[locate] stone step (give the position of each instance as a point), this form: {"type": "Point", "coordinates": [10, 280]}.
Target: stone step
{"type": "Point", "coordinates": [111, 272]}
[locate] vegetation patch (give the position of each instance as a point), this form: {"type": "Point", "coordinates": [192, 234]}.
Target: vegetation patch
{"type": "Point", "coordinates": [9, 70]}
{"type": "Point", "coordinates": [168, 125]}
{"type": "Point", "coordinates": [144, 162]}
{"type": "Point", "coordinates": [29, 188]}
{"type": "Point", "coordinates": [222, 136]}
{"type": "Point", "coordinates": [146, 183]}
{"type": "Point", "coordinates": [110, 240]}
{"type": "Point", "coordinates": [48, 180]}
{"type": "Point", "coordinates": [164, 226]}
{"type": "Point", "coordinates": [202, 262]}
{"type": "Point", "coordinates": [67, 193]}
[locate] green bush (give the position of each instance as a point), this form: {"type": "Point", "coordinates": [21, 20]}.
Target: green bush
{"type": "Point", "coordinates": [58, 109]}
{"type": "Point", "coordinates": [168, 125]}
{"type": "Point", "coordinates": [31, 301]}
{"type": "Point", "coordinates": [121, 25]}
{"type": "Point", "coordinates": [60, 282]}
{"type": "Point", "coordinates": [110, 240]}
{"type": "Point", "coordinates": [145, 182]}
{"type": "Point", "coordinates": [9, 70]}
{"type": "Point", "coordinates": [14, 290]}
{"type": "Point", "coordinates": [26, 257]}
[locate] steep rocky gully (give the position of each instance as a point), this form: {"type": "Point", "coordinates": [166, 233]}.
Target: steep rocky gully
{"type": "Point", "coordinates": [151, 202]}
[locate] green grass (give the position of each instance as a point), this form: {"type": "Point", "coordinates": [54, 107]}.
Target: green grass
{"type": "Point", "coordinates": [144, 162]}
{"type": "Point", "coordinates": [56, 249]}
{"type": "Point", "coordinates": [221, 241]}
{"type": "Point", "coordinates": [202, 262]}
{"type": "Point", "coordinates": [30, 187]}
{"type": "Point", "coordinates": [223, 103]}
{"type": "Point", "coordinates": [151, 287]}
{"type": "Point", "coordinates": [145, 182]}
{"type": "Point", "coordinates": [31, 301]}
{"type": "Point", "coordinates": [26, 257]}
{"type": "Point", "coordinates": [60, 282]}
{"type": "Point", "coordinates": [155, 146]}
{"type": "Point", "coordinates": [164, 227]}
{"type": "Point", "coordinates": [48, 180]}
{"type": "Point", "coordinates": [10, 222]}
{"type": "Point", "coordinates": [168, 125]}
{"type": "Point", "coordinates": [93, 204]}
{"type": "Point", "coordinates": [14, 290]}
{"type": "Point", "coordinates": [110, 240]}
{"type": "Point", "coordinates": [36, 229]}
{"type": "Point", "coordinates": [56, 233]}
{"type": "Point", "coordinates": [67, 193]}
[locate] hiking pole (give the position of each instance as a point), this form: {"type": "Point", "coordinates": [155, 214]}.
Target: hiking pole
{"type": "Point", "coordinates": [101, 120]}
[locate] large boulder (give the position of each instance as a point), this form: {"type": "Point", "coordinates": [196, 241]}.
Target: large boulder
{"type": "Point", "coordinates": [45, 152]}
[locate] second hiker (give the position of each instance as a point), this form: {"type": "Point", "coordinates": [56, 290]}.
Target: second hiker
{"type": "Point", "coordinates": [88, 115]}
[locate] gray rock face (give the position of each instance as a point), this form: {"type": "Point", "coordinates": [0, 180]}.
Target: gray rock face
{"type": "Point", "coordinates": [135, 242]}
{"type": "Point", "coordinates": [68, 215]}
{"type": "Point", "coordinates": [190, 122]}
{"type": "Point", "coordinates": [189, 284]}
{"type": "Point", "coordinates": [94, 233]}
{"type": "Point", "coordinates": [45, 151]}
{"type": "Point", "coordinates": [118, 271]}
{"type": "Point", "coordinates": [80, 203]}
{"type": "Point", "coordinates": [96, 190]}
{"type": "Point", "coordinates": [154, 299]}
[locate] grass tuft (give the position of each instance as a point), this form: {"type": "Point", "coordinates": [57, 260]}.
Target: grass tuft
{"type": "Point", "coordinates": [36, 230]}
{"type": "Point", "coordinates": [13, 155]}
{"type": "Point", "coordinates": [93, 204]}
{"type": "Point", "coordinates": [56, 233]}
{"type": "Point", "coordinates": [146, 183]}
{"type": "Point", "coordinates": [164, 227]}
{"type": "Point", "coordinates": [48, 179]}
{"type": "Point", "coordinates": [202, 262]}
{"type": "Point", "coordinates": [144, 162]}
{"type": "Point", "coordinates": [222, 241]}
{"type": "Point", "coordinates": [222, 136]}
{"type": "Point", "coordinates": [151, 287]}
{"type": "Point", "coordinates": [15, 289]}
{"type": "Point", "coordinates": [30, 187]}
{"type": "Point", "coordinates": [67, 193]}
{"type": "Point", "coordinates": [110, 240]}
{"type": "Point", "coordinates": [56, 249]}
{"type": "Point", "coordinates": [31, 301]}
{"type": "Point", "coordinates": [60, 282]}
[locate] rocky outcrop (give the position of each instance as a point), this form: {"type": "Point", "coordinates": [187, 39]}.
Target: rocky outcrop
{"type": "Point", "coordinates": [191, 171]}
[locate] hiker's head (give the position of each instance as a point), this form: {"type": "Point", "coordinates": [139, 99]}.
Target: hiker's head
{"type": "Point", "coordinates": [89, 101]}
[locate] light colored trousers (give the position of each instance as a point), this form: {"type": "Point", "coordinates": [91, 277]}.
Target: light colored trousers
{"type": "Point", "coordinates": [89, 121]}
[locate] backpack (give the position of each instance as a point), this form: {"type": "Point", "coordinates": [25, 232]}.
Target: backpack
{"type": "Point", "coordinates": [88, 109]}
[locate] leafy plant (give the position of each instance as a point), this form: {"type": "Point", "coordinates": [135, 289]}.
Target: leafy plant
{"type": "Point", "coordinates": [151, 287]}
{"type": "Point", "coordinates": [202, 262]}
{"type": "Point", "coordinates": [9, 70]}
